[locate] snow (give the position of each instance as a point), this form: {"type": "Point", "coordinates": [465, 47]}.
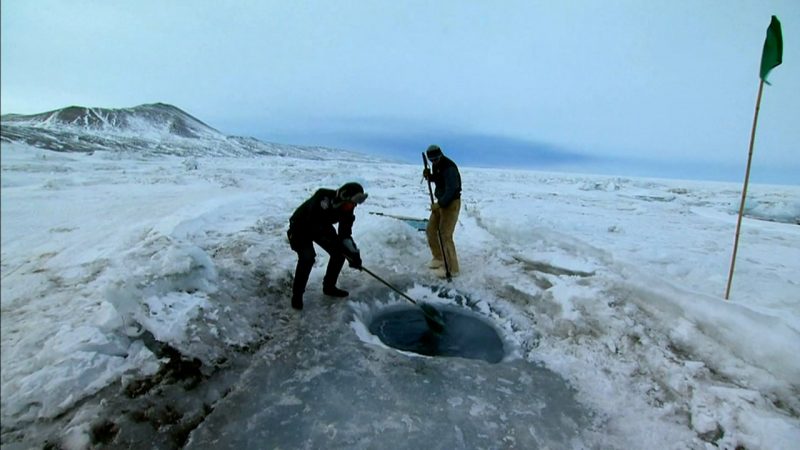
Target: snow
{"type": "Point", "coordinates": [614, 284]}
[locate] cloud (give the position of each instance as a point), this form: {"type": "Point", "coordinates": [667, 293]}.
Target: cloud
{"type": "Point", "coordinates": [469, 149]}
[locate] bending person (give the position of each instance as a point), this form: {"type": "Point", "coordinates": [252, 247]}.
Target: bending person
{"type": "Point", "coordinates": [313, 222]}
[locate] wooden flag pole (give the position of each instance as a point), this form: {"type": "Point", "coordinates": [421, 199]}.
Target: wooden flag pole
{"type": "Point", "coordinates": [744, 189]}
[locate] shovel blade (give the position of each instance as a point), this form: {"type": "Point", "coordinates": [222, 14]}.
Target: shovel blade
{"type": "Point", "coordinates": [433, 317]}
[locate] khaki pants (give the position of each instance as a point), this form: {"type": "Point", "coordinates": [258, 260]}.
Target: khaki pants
{"type": "Point", "coordinates": [443, 221]}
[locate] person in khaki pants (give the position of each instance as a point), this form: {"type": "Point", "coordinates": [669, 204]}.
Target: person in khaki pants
{"type": "Point", "coordinates": [444, 213]}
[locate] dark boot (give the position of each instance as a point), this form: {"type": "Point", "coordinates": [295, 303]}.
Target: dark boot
{"type": "Point", "coordinates": [333, 291]}
{"type": "Point", "coordinates": [305, 261]}
{"type": "Point", "coordinates": [297, 302]}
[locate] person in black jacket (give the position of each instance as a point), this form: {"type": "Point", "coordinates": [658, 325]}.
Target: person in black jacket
{"type": "Point", "coordinates": [312, 222]}
{"type": "Point", "coordinates": [444, 213]}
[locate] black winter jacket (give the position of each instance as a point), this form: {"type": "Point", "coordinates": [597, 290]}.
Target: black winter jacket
{"type": "Point", "coordinates": [448, 181]}
{"type": "Point", "coordinates": [318, 213]}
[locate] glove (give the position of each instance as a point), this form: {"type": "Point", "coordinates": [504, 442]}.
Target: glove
{"type": "Point", "coordinates": [354, 261]}
{"type": "Point", "coordinates": [426, 173]}
{"type": "Point", "coordinates": [351, 253]}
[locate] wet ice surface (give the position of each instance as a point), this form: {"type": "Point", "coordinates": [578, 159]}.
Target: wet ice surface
{"type": "Point", "coordinates": [464, 334]}
{"type": "Point", "coordinates": [321, 386]}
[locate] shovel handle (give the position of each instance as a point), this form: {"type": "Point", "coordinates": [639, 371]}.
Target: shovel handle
{"type": "Point", "coordinates": [432, 317]}
{"type": "Point", "coordinates": [430, 190]}
{"type": "Point", "coordinates": [389, 285]}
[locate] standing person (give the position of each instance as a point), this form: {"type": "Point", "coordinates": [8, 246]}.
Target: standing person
{"type": "Point", "coordinates": [444, 213]}
{"type": "Point", "coordinates": [312, 222]}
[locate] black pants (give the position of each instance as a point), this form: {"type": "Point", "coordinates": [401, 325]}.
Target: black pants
{"type": "Point", "coordinates": [303, 244]}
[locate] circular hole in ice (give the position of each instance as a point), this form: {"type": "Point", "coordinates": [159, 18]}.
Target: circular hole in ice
{"type": "Point", "coordinates": [465, 334]}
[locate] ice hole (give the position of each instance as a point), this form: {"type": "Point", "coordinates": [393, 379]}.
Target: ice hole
{"type": "Point", "coordinates": [465, 334]}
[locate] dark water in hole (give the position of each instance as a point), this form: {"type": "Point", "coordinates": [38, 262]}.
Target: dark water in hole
{"type": "Point", "coordinates": [464, 334]}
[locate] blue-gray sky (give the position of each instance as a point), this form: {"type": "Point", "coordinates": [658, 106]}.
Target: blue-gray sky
{"type": "Point", "coordinates": [630, 87]}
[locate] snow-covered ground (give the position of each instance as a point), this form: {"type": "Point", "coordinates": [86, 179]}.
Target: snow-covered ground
{"type": "Point", "coordinates": [614, 284]}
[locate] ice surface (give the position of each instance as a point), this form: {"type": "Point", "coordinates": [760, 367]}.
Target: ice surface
{"type": "Point", "coordinates": [369, 396]}
{"type": "Point", "coordinates": [611, 285]}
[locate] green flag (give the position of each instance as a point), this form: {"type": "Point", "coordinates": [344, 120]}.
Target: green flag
{"type": "Point", "coordinates": [772, 56]}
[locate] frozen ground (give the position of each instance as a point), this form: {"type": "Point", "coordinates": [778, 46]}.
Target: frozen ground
{"type": "Point", "coordinates": [144, 304]}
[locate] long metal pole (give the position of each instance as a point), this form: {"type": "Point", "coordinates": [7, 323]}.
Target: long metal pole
{"type": "Point", "coordinates": [433, 317]}
{"type": "Point", "coordinates": [386, 283]}
{"type": "Point", "coordinates": [744, 189]}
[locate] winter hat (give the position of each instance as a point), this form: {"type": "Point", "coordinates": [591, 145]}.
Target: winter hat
{"type": "Point", "coordinates": [433, 152]}
{"type": "Point", "coordinates": [351, 192]}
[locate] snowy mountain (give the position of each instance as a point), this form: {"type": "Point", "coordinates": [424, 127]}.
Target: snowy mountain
{"type": "Point", "coordinates": [146, 129]}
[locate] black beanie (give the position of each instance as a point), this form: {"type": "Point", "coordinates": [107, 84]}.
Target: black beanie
{"type": "Point", "coordinates": [351, 192]}
{"type": "Point", "coordinates": [433, 151]}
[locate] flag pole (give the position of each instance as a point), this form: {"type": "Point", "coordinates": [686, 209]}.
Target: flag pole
{"type": "Point", "coordinates": [771, 57]}
{"type": "Point", "coordinates": [744, 189]}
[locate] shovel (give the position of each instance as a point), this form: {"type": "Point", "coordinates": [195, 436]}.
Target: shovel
{"type": "Point", "coordinates": [433, 317]}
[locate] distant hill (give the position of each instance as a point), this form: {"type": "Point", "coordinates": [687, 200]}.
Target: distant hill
{"type": "Point", "coordinates": [149, 129]}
